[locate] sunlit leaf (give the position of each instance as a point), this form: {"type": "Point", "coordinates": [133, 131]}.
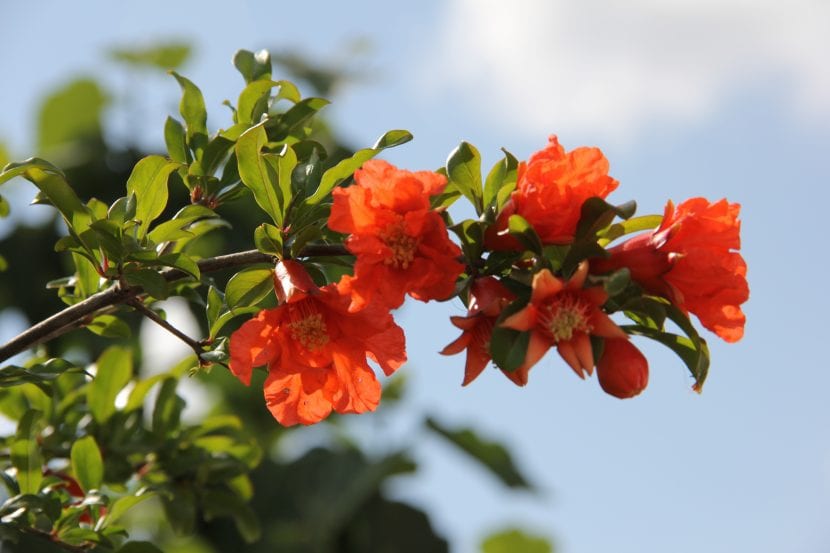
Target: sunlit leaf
{"type": "Point", "coordinates": [114, 371]}
{"type": "Point", "coordinates": [263, 179]}
{"type": "Point", "coordinates": [253, 66]}
{"type": "Point", "coordinates": [171, 55]}
{"type": "Point", "coordinates": [109, 326]}
{"type": "Point", "coordinates": [87, 465]}
{"type": "Point", "coordinates": [249, 287]}
{"type": "Point", "coordinates": [515, 541]}
{"type": "Point", "coordinates": [346, 168]}
{"type": "Point", "coordinates": [464, 169]}
{"type": "Point", "coordinates": [71, 113]}
{"type": "Point", "coordinates": [175, 138]}
{"type": "Point", "coordinates": [120, 506]}
{"type": "Point", "coordinates": [501, 180]}
{"type": "Point", "coordinates": [151, 281]}
{"type": "Point", "coordinates": [192, 109]}
{"type": "Point", "coordinates": [25, 453]}
{"type": "Point", "coordinates": [148, 181]}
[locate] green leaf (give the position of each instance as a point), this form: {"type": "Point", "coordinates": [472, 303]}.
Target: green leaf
{"type": "Point", "coordinates": [596, 214]}
{"type": "Point", "coordinates": [270, 184]}
{"type": "Point", "coordinates": [346, 168]}
{"type": "Point", "coordinates": [515, 541]}
{"type": "Point", "coordinates": [268, 239]}
{"type": "Point", "coordinates": [214, 304]}
{"type": "Point", "coordinates": [70, 114]}
{"type": "Point", "coordinates": [253, 66]}
{"type": "Point", "coordinates": [522, 230]}
{"type": "Point", "coordinates": [148, 182]}
{"type": "Point", "coordinates": [471, 234]}
{"type": "Point", "coordinates": [54, 188]}
{"type": "Point", "coordinates": [168, 408]}
{"type": "Point", "coordinates": [171, 55]}
{"type": "Point", "coordinates": [177, 227]}
{"type": "Point", "coordinates": [280, 127]}
{"type": "Point", "coordinates": [114, 371]}
{"type": "Point", "coordinates": [501, 181]}
{"type": "Point", "coordinates": [249, 287]}
{"type": "Point", "coordinates": [175, 139]}
{"type": "Point", "coordinates": [491, 455]}
{"type": "Point", "coordinates": [253, 101]}
{"type": "Point", "coordinates": [617, 282]}
{"type": "Point", "coordinates": [151, 281]}
{"type": "Point", "coordinates": [634, 224]}
{"type": "Point", "coordinates": [87, 278]}
{"type": "Point", "coordinates": [508, 347]}
{"type": "Point", "coordinates": [192, 108]}
{"type": "Point", "coordinates": [464, 169]}
{"type": "Point", "coordinates": [225, 504]}
{"type": "Point", "coordinates": [87, 465]}
{"type": "Point", "coordinates": [140, 391]}
{"type": "Point", "coordinates": [139, 547]}
{"type": "Point", "coordinates": [694, 356]}
{"type": "Point", "coordinates": [109, 326]}
{"type": "Point", "coordinates": [4, 207]}
{"type": "Point", "coordinates": [120, 507]}
{"type": "Point", "coordinates": [225, 317]}
{"type": "Point", "coordinates": [25, 453]}
{"type": "Point", "coordinates": [183, 262]}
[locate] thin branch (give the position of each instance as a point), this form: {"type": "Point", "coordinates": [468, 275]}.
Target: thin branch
{"type": "Point", "coordinates": [153, 316]}
{"type": "Point", "coordinates": [83, 312]}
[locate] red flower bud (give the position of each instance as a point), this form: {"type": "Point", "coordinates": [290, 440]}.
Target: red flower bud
{"type": "Point", "coordinates": [622, 370]}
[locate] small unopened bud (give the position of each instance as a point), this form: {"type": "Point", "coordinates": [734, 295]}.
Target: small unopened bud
{"type": "Point", "coordinates": [622, 370]}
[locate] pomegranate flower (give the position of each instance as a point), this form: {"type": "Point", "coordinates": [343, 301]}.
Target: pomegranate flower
{"type": "Point", "coordinates": [622, 370]}
{"type": "Point", "coordinates": [550, 190]}
{"type": "Point", "coordinates": [401, 243]}
{"type": "Point", "coordinates": [316, 350]}
{"type": "Point", "coordinates": [692, 260]}
{"type": "Point", "coordinates": [487, 299]}
{"type": "Point", "coordinates": [565, 315]}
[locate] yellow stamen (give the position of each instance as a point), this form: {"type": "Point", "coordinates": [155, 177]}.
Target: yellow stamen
{"type": "Point", "coordinates": [308, 327]}
{"type": "Point", "coordinates": [402, 245]}
{"type": "Point", "coordinates": [566, 316]}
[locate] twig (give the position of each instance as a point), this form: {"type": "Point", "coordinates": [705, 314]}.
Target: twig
{"type": "Point", "coordinates": [153, 316]}
{"type": "Point", "coordinates": [77, 314]}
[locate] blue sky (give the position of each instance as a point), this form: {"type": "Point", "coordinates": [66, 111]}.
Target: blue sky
{"type": "Point", "coordinates": [713, 98]}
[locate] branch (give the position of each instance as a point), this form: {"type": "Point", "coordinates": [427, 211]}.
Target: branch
{"type": "Point", "coordinates": [153, 316]}
{"type": "Point", "coordinates": [83, 312]}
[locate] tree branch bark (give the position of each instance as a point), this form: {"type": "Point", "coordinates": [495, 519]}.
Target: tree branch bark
{"type": "Point", "coordinates": [86, 310]}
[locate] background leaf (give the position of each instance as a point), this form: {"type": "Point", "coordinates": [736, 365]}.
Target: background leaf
{"type": "Point", "coordinates": [87, 465]}
{"type": "Point", "coordinates": [491, 455]}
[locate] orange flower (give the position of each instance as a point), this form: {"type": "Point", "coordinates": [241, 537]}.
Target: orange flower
{"type": "Point", "coordinates": [550, 190]}
{"type": "Point", "coordinates": [401, 243]}
{"type": "Point", "coordinates": [691, 259]}
{"type": "Point", "coordinates": [487, 299]}
{"type": "Point", "coordinates": [316, 351]}
{"type": "Point", "coordinates": [565, 315]}
{"type": "Point", "coordinates": [622, 370]}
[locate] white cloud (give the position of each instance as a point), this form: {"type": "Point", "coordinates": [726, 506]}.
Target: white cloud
{"type": "Point", "coordinates": [611, 68]}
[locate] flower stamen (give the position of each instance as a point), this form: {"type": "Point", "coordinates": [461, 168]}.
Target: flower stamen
{"type": "Point", "coordinates": [566, 316]}
{"type": "Point", "coordinates": [308, 327]}
{"type": "Point", "coordinates": [402, 245]}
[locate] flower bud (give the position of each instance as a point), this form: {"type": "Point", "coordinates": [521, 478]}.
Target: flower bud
{"type": "Point", "coordinates": [622, 370]}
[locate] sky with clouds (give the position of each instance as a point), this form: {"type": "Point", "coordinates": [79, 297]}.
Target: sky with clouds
{"type": "Point", "coordinates": [715, 98]}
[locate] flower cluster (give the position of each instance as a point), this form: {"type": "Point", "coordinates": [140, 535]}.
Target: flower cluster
{"type": "Point", "coordinates": [690, 262]}
{"type": "Point", "coordinates": [535, 275]}
{"type": "Point", "coordinates": [317, 342]}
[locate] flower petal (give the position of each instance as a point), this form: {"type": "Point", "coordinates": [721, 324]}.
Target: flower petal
{"type": "Point", "coordinates": [298, 396]}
